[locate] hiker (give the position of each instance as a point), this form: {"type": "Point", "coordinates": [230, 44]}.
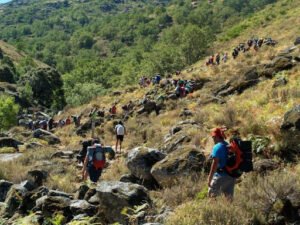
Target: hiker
{"type": "Point", "coordinates": [219, 182]}
{"type": "Point", "coordinates": [157, 78]}
{"type": "Point", "coordinates": [120, 131]}
{"type": "Point", "coordinates": [113, 110]}
{"type": "Point", "coordinates": [225, 57]}
{"type": "Point", "coordinates": [68, 121]}
{"type": "Point", "coordinates": [180, 89]}
{"type": "Point", "coordinates": [249, 43]}
{"type": "Point", "coordinates": [235, 53]}
{"type": "Point", "coordinates": [95, 160]}
{"type": "Point", "coordinates": [218, 57]}
{"type": "Point", "coordinates": [260, 42]}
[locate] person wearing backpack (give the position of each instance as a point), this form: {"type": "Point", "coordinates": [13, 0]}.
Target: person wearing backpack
{"type": "Point", "coordinates": [95, 160]}
{"type": "Point", "coordinates": [120, 131]}
{"type": "Point", "coordinates": [219, 182]}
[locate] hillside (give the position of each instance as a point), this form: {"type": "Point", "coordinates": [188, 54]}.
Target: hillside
{"type": "Point", "coordinates": [98, 45]}
{"type": "Point", "coordinates": [168, 142]}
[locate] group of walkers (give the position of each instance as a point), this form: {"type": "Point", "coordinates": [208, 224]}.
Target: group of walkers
{"type": "Point", "coordinates": [183, 87]}
{"type": "Point", "coordinates": [145, 81]}
{"type": "Point", "coordinates": [254, 43]}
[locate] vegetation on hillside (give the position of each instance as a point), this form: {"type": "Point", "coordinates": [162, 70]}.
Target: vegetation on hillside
{"type": "Point", "coordinates": [98, 45]}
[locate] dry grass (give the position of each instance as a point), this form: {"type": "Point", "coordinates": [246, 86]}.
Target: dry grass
{"type": "Point", "coordinates": [250, 205]}
{"type": "Point", "coordinates": [115, 170]}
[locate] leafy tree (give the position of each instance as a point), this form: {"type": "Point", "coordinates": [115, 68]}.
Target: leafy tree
{"type": "Point", "coordinates": [8, 112]}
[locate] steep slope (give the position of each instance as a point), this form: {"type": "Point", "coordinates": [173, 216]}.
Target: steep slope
{"type": "Point", "coordinates": [269, 195]}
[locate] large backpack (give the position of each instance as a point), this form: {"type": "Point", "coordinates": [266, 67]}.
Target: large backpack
{"type": "Point", "coordinates": [99, 158]}
{"type": "Point", "coordinates": [239, 158]}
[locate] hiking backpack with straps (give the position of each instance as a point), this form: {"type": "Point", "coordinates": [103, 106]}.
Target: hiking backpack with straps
{"type": "Point", "coordinates": [239, 158]}
{"type": "Point", "coordinates": [99, 158]}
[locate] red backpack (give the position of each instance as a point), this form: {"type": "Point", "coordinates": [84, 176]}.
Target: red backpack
{"type": "Point", "coordinates": [99, 158]}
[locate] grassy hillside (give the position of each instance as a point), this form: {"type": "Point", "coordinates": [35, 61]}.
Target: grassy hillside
{"type": "Point", "coordinates": [98, 45]}
{"type": "Point", "coordinates": [257, 112]}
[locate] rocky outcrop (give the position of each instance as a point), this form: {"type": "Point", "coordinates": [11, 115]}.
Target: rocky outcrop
{"type": "Point", "coordinates": [4, 188]}
{"type": "Point", "coordinates": [9, 142]}
{"type": "Point", "coordinates": [84, 128]}
{"type": "Point", "coordinates": [290, 130]}
{"type": "Point", "coordinates": [113, 196]}
{"type": "Point", "coordinates": [177, 164]}
{"type": "Point", "coordinates": [264, 165]}
{"type": "Point", "coordinates": [82, 207]}
{"type": "Point", "coordinates": [46, 136]}
{"type": "Point", "coordinates": [297, 41]}
{"type": "Point", "coordinates": [141, 159]}
{"type": "Point", "coordinates": [148, 107]}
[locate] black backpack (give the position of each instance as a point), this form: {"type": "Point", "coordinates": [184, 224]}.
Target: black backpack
{"type": "Point", "coordinates": [239, 159]}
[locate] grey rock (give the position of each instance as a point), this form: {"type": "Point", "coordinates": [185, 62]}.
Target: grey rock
{"type": "Point", "coordinates": [280, 82]}
{"type": "Point", "coordinates": [9, 142]}
{"type": "Point", "coordinates": [141, 159]}
{"type": "Point", "coordinates": [55, 193]}
{"type": "Point", "coordinates": [81, 192]}
{"type": "Point", "coordinates": [82, 207]}
{"type": "Point", "coordinates": [264, 165]}
{"type": "Point", "coordinates": [50, 204]}
{"type": "Point", "coordinates": [297, 41]}
{"type": "Point", "coordinates": [177, 164]}
{"type": "Point", "coordinates": [113, 196]}
{"type": "Point", "coordinates": [46, 136]}
{"type": "Point", "coordinates": [4, 188]}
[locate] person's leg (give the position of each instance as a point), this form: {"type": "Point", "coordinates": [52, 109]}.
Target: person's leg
{"type": "Point", "coordinates": [228, 187]}
{"type": "Point", "coordinates": [117, 144]}
{"type": "Point", "coordinates": [215, 187]}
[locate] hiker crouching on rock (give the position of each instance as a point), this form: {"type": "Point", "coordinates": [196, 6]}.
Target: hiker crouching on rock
{"type": "Point", "coordinates": [219, 182]}
{"type": "Point", "coordinates": [95, 160]}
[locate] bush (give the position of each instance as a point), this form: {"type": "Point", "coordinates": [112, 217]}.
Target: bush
{"type": "Point", "coordinates": [8, 112]}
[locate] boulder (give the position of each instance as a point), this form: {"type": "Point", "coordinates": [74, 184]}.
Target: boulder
{"type": "Point", "coordinates": [141, 159]}
{"type": "Point", "coordinates": [30, 198]}
{"type": "Point", "coordinates": [178, 164]}
{"type": "Point", "coordinates": [148, 107]}
{"type": "Point", "coordinates": [55, 193]}
{"type": "Point", "coordinates": [290, 129]}
{"type": "Point", "coordinates": [63, 154]}
{"type": "Point", "coordinates": [297, 41]}
{"type": "Point", "coordinates": [4, 188]}
{"type": "Point", "coordinates": [150, 184]}
{"type": "Point", "coordinates": [278, 64]}
{"type": "Point", "coordinates": [185, 113]}
{"type": "Point", "coordinates": [113, 196]}
{"type": "Point", "coordinates": [263, 165]}
{"type": "Point", "coordinates": [9, 142]}
{"type": "Point", "coordinates": [37, 177]}
{"type": "Point", "coordinates": [46, 136]}
{"type": "Point", "coordinates": [14, 198]}
{"type": "Point", "coordinates": [175, 141]}
{"type": "Point", "coordinates": [85, 127]}
{"type": "Point", "coordinates": [82, 207]}
{"type": "Point", "coordinates": [51, 204]}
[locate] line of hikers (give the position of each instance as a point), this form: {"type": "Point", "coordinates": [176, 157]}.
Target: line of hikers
{"type": "Point", "coordinates": [145, 81]}
{"type": "Point", "coordinates": [256, 43]}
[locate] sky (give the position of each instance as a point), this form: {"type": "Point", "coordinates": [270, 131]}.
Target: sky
{"type": "Point", "coordinates": [4, 1]}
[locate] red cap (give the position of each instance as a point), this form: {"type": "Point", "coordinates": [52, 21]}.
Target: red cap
{"type": "Point", "coordinates": [218, 132]}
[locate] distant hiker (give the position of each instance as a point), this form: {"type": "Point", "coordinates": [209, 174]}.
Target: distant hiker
{"type": "Point", "coordinates": [219, 182]}
{"type": "Point", "coordinates": [225, 57]}
{"type": "Point", "coordinates": [260, 42]}
{"type": "Point", "coordinates": [50, 123]}
{"type": "Point", "coordinates": [95, 160]}
{"type": "Point", "coordinates": [218, 57]}
{"type": "Point", "coordinates": [157, 78]}
{"type": "Point", "coordinates": [180, 89]}
{"type": "Point", "coordinates": [43, 124]}
{"type": "Point", "coordinates": [68, 121]}
{"type": "Point", "coordinates": [120, 131]}
{"type": "Point", "coordinates": [235, 53]}
{"type": "Point", "coordinates": [249, 43]}
{"type": "Point", "coordinates": [113, 110]}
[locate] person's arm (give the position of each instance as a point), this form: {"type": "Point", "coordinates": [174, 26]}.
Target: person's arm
{"type": "Point", "coordinates": [213, 169]}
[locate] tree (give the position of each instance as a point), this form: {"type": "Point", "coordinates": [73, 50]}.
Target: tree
{"type": "Point", "coordinates": [8, 112]}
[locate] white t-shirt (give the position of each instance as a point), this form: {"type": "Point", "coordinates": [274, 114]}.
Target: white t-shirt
{"type": "Point", "coordinates": [120, 129]}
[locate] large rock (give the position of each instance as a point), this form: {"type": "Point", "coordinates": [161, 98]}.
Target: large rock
{"type": "Point", "coordinates": [14, 198]}
{"type": "Point", "coordinates": [51, 204]}
{"type": "Point", "coordinates": [46, 136]}
{"type": "Point", "coordinates": [149, 184]}
{"type": "Point", "coordinates": [82, 207]}
{"type": "Point", "coordinates": [278, 64]}
{"type": "Point", "coordinates": [9, 142]}
{"type": "Point", "coordinates": [84, 128]}
{"type": "Point", "coordinates": [30, 198]}
{"type": "Point", "coordinates": [4, 188]}
{"type": "Point", "coordinates": [141, 159]}
{"type": "Point", "coordinates": [113, 196]}
{"type": "Point", "coordinates": [37, 177]}
{"type": "Point", "coordinates": [290, 130]}
{"type": "Point", "coordinates": [178, 164]}
{"type": "Point", "coordinates": [175, 141]}
{"type": "Point", "coordinates": [148, 107]}
{"type": "Point", "coordinates": [264, 165]}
